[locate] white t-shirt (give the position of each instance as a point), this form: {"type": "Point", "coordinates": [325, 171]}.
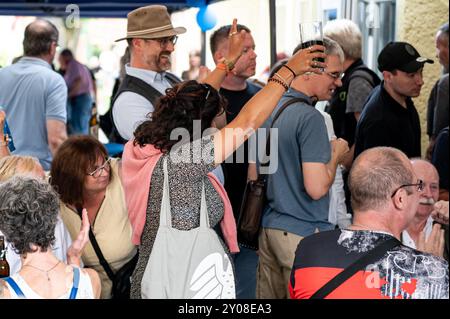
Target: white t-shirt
{"type": "Point", "coordinates": [408, 241]}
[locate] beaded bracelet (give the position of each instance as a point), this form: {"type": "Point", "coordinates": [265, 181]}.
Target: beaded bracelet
{"type": "Point", "coordinates": [293, 73]}
{"type": "Point", "coordinates": [286, 87]}
{"type": "Point", "coordinates": [280, 77]}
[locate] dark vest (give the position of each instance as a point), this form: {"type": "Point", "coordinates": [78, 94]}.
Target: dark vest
{"type": "Point", "coordinates": [345, 123]}
{"type": "Point", "coordinates": [135, 85]}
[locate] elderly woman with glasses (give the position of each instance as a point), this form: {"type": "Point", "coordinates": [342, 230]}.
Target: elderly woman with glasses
{"type": "Point", "coordinates": [86, 178]}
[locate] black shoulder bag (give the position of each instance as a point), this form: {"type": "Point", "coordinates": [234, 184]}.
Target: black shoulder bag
{"type": "Point", "coordinates": [368, 258]}
{"type": "Point", "coordinates": [121, 283]}
{"type": "Point", "coordinates": [254, 198]}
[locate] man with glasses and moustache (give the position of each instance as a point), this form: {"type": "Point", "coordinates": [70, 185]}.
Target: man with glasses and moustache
{"type": "Point", "coordinates": [422, 234]}
{"type": "Point", "coordinates": [385, 197]}
{"type": "Point", "coordinates": [151, 39]}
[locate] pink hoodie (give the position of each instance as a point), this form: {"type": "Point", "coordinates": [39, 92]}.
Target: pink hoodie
{"type": "Point", "coordinates": [138, 164]}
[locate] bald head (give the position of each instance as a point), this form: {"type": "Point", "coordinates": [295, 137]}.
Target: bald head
{"type": "Point", "coordinates": [426, 171]}
{"type": "Point", "coordinates": [375, 174]}
{"type": "Point", "coordinates": [423, 168]}
{"type": "Point", "coordinates": [39, 37]}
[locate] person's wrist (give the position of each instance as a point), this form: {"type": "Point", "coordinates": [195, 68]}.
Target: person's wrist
{"type": "Point", "coordinates": [4, 141]}
{"type": "Point", "coordinates": [226, 64]}
{"type": "Point", "coordinates": [286, 74]}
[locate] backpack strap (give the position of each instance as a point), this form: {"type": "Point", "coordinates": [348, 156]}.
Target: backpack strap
{"type": "Point", "coordinates": [373, 78]}
{"type": "Point", "coordinates": [76, 281]}
{"type": "Point", "coordinates": [173, 79]}
{"type": "Point", "coordinates": [15, 287]}
{"type": "Point", "coordinates": [262, 177]}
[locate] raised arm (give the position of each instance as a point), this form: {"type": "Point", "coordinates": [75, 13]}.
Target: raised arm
{"type": "Point", "coordinates": [236, 45]}
{"type": "Point", "coordinates": [256, 111]}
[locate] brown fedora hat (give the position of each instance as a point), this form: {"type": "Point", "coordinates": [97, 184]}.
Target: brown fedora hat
{"type": "Point", "coordinates": [150, 22]}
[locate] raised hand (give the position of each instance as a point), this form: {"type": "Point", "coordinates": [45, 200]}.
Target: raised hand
{"type": "Point", "coordinates": [235, 43]}
{"type": "Point", "coordinates": [440, 212]}
{"type": "Point", "coordinates": [340, 147]}
{"type": "Point", "coordinates": [76, 249]}
{"type": "Point", "coordinates": [435, 242]}
{"type": "Point", "coordinates": [203, 73]}
{"type": "Point", "coordinates": [303, 61]}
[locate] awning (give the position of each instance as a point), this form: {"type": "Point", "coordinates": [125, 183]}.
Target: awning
{"type": "Point", "coordinates": [92, 9]}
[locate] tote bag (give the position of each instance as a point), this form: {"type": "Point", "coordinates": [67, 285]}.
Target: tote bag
{"type": "Point", "coordinates": [187, 264]}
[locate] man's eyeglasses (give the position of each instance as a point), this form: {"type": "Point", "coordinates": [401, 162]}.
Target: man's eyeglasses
{"type": "Point", "coordinates": [335, 75]}
{"type": "Point", "coordinates": [99, 170]}
{"type": "Point", "coordinates": [165, 41]}
{"type": "Point", "coordinates": [420, 186]}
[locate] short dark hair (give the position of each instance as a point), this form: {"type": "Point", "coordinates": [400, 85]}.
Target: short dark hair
{"type": "Point", "coordinates": [74, 158]}
{"type": "Point", "coordinates": [38, 37]}
{"type": "Point", "coordinates": [66, 53]}
{"type": "Point", "coordinates": [222, 34]}
{"type": "Point", "coordinates": [444, 31]}
{"type": "Point", "coordinates": [444, 28]}
{"type": "Point", "coordinates": [28, 213]}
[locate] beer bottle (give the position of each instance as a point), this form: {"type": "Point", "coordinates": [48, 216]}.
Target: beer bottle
{"type": "Point", "coordinates": [93, 122]}
{"type": "Point", "coordinates": [4, 266]}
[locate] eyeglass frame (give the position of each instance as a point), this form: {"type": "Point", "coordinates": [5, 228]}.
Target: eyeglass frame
{"type": "Point", "coordinates": [163, 42]}
{"type": "Point", "coordinates": [334, 76]}
{"type": "Point", "coordinates": [101, 168]}
{"type": "Point", "coordinates": [420, 187]}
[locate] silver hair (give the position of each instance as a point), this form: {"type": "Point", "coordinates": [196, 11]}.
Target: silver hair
{"type": "Point", "coordinates": [347, 34]}
{"type": "Point", "coordinates": [28, 213]}
{"type": "Point", "coordinates": [331, 48]}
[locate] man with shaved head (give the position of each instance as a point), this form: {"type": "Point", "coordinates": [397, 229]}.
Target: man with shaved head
{"type": "Point", "coordinates": [385, 197]}
{"type": "Point", "coordinates": [34, 96]}
{"type": "Point", "coordinates": [421, 234]}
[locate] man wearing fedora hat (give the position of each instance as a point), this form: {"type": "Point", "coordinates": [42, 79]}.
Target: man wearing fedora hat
{"type": "Point", "coordinates": [389, 117]}
{"type": "Point", "coordinates": [151, 39]}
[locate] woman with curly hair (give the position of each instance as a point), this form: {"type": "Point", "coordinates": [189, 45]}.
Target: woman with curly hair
{"type": "Point", "coordinates": [15, 165]}
{"type": "Point", "coordinates": [173, 135]}
{"type": "Point", "coordinates": [28, 216]}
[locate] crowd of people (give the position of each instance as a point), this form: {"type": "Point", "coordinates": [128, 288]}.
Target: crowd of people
{"type": "Point", "coordinates": [351, 210]}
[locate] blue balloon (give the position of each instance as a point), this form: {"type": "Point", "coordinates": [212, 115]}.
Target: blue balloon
{"type": "Point", "coordinates": [206, 19]}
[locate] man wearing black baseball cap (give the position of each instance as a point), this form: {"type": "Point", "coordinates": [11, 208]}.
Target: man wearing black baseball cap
{"type": "Point", "coordinates": [389, 117]}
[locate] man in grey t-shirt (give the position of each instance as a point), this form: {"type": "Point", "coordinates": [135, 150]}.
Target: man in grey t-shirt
{"type": "Point", "coordinates": [297, 192]}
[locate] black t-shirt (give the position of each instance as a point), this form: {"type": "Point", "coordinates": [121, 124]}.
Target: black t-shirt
{"type": "Point", "coordinates": [402, 273]}
{"type": "Point", "coordinates": [236, 173]}
{"type": "Point", "coordinates": [384, 122]}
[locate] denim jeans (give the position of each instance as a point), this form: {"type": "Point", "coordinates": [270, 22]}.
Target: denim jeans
{"type": "Point", "coordinates": [79, 109]}
{"type": "Point", "coordinates": [245, 265]}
